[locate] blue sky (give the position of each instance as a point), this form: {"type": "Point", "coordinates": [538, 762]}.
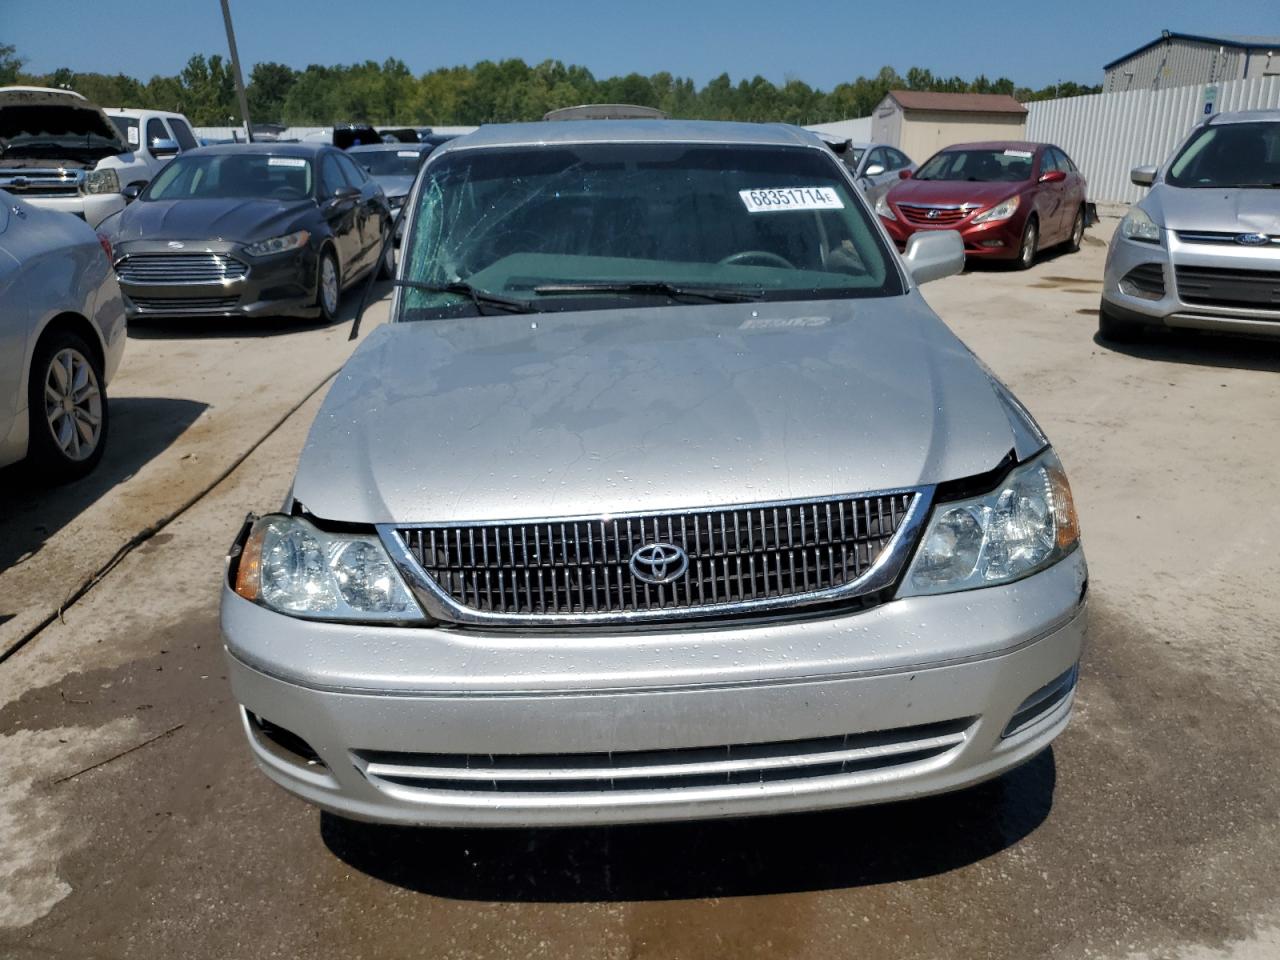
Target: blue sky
{"type": "Point", "coordinates": [1033, 42]}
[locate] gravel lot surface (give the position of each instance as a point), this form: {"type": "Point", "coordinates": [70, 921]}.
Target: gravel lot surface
{"type": "Point", "coordinates": [133, 824]}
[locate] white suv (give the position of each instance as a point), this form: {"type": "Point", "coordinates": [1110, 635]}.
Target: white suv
{"type": "Point", "coordinates": [63, 153]}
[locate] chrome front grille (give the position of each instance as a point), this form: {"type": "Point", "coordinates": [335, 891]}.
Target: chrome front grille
{"type": "Point", "coordinates": [739, 559]}
{"type": "Point", "coordinates": [41, 183]}
{"type": "Point", "coordinates": [1219, 236]}
{"type": "Point", "coordinates": [940, 216]}
{"type": "Point", "coordinates": [674, 769]}
{"type": "Point", "coordinates": [165, 269]}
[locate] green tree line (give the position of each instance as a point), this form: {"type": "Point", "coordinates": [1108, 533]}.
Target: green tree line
{"type": "Point", "coordinates": [489, 92]}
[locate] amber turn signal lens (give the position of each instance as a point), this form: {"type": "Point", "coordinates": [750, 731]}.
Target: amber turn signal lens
{"type": "Point", "coordinates": [248, 573]}
{"type": "Point", "coordinates": [1066, 522]}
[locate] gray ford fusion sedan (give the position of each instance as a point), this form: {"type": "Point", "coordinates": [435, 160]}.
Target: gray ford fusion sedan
{"type": "Point", "coordinates": [664, 495]}
{"type": "Point", "coordinates": [1201, 251]}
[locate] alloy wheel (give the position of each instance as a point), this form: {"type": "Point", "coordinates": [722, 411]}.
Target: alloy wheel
{"type": "Point", "coordinates": [329, 285]}
{"type": "Point", "coordinates": [73, 404]}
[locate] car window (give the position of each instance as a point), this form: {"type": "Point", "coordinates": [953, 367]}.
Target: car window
{"type": "Point", "coordinates": [331, 175]}
{"type": "Point", "coordinates": [897, 160]}
{"type": "Point", "coordinates": [1064, 162]}
{"type": "Point", "coordinates": [1229, 155]}
{"type": "Point", "coordinates": [355, 176]}
{"type": "Point", "coordinates": [401, 162]}
{"type": "Point", "coordinates": [878, 156]}
{"type": "Point", "coordinates": [182, 133]}
{"type": "Point", "coordinates": [156, 131]}
{"type": "Point", "coordinates": [129, 129]}
{"type": "Point", "coordinates": [1049, 161]}
{"type": "Point", "coordinates": [238, 175]}
{"type": "Point", "coordinates": [987, 165]}
{"type": "Point", "coordinates": [773, 222]}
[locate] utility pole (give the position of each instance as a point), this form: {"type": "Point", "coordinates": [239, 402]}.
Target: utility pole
{"type": "Point", "coordinates": [235, 69]}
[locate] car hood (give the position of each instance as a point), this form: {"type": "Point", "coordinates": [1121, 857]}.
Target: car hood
{"type": "Point", "coordinates": [42, 127]}
{"type": "Point", "coordinates": [548, 415]}
{"type": "Point", "coordinates": [952, 191]}
{"type": "Point", "coordinates": [395, 186]}
{"type": "Point", "coordinates": [241, 221]}
{"type": "Point", "coordinates": [1244, 210]}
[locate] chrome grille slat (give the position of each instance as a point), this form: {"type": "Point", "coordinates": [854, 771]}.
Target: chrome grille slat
{"type": "Point", "coordinates": [180, 268]}
{"type": "Point", "coordinates": [575, 566]}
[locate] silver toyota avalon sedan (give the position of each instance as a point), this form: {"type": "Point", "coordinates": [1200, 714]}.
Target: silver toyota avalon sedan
{"type": "Point", "coordinates": [664, 496]}
{"type": "Point", "coordinates": [1202, 249]}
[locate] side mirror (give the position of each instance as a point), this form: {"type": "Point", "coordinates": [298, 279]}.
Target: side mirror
{"type": "Point", "coordinates": [164, 148]}
{"type": "Point", "coordinates": [934, 254]}
{"type": "Point", "coordinates": [874, 170]}
{"type": "Point", "coordinates": [1052, 176]}
{"type": "Point", "coordinates": [1143, 176]}
{"type": "Point", "coordinates": [130, 193]}
{"type": "Point", "coordinates": [904, 174]}
{"type": "Point", "coordinates": [342, 196]}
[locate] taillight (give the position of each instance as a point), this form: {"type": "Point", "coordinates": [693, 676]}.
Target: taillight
{"type": "Point", "coordinates": [106, 247]}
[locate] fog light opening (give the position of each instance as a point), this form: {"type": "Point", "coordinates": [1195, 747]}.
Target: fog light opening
{"type": "Point", "coordinates": [1042, 702]}
{"type": "Point", "coordinates": [283, 743]}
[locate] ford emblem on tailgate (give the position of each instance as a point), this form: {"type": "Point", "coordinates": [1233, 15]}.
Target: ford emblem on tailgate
{"type": "Point", "coordinates": [1252, 239]}
{"type": "Point", "coordinates": [659, 563]}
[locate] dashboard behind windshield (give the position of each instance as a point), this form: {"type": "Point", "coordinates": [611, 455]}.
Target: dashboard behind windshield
{"type": "Point", "coordinates": [772, 222]}
{"type": "Point", "coordinates": [981, 166]}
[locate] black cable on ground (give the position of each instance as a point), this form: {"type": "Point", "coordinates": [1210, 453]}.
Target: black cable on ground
{"type": "Point", "coordinates": [148, 532]}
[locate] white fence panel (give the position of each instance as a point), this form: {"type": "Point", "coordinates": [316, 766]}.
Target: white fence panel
{"type": "Point", "coordinates": [1109, 133]}
{"type": "Point", "coordinates": [858, 130]}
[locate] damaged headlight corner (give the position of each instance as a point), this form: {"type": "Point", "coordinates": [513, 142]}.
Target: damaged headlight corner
{"type": "Point", "coordinates": [289, 565]}
{"type": "Point", "coordinates": [1025, 524]}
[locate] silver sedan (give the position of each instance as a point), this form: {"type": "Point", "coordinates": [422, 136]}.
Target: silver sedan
{"type": "Point", "coordinates": [62, 334]}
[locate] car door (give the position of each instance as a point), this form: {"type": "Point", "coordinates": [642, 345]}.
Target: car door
{"type": "Point", "coordinates": [14, 318]}
{"type": "Point", "coordinates": [370, 215]}
{"type": "Point", "coordinates": [1052, 199]}
{"type": "Point", "coordinates": [875, 185]}
{"type": "Point", "coordinates": [1076, 187]}
{"type": "Point", "coordinates": [341, 214]}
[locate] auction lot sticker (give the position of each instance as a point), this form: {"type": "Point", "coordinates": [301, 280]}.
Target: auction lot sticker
{"type": "Point", "coordinates": [286, 162]}
{"type": "Point", "coordinates": [772, 199]}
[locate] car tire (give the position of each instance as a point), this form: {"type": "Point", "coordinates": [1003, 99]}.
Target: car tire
{"type": "Point", "coordinates": [67, 407]}
{"type": "Point", "coordinates": [1077, 232]}
{"type": "Point", "coordinates": [1030, 245]}
{"type": "Point", "coordinates": [1118, 329]}
{"type": "Point", "coordinates": [328, 285]}
{"type": "Point", "coordinates": [387, 256]}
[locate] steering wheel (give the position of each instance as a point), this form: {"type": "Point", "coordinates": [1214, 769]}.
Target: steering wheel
{"type": "Point", "coordinates": [760, 257]}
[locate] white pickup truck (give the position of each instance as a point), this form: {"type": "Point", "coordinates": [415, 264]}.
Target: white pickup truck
{"type": "Point", "coordinates": [61, 152]}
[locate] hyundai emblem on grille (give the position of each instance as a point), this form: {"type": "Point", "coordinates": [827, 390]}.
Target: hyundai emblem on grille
{"type": "Point", "coordinates": [659, 563]}
{"type": "Point", "coordinates": [933, 214]}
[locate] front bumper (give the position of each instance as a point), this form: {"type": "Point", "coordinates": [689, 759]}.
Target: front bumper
{"type": "Point", "coordinates": [278, 286]}
{"type": "Point", "coordinates": [1001, 240]}
{"type": "Point", "coordinates": [915, 697]}
{"type": "Point", "coordinates": [92, 208]}
{"type": "Point", "coordinates": [1170, 308]}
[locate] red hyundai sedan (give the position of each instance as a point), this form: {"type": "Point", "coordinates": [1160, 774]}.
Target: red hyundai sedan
{"type": "Point", "coordinates": [1007, 199]}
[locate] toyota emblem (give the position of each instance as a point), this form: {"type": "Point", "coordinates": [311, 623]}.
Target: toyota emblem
{"type": "Point", "coordinates": [659, 563]}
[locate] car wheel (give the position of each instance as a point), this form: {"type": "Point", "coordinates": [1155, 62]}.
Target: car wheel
{"type": "Point", "coordinates": [328, 286]}
{"type": "Point", "coordinates": [67, 406]}
{"type": "Point", "coordinates": [1077, 232]}
{"type": "Point", "coordinates": [1118, 329]}
{"type": "Point", "coordinates": [387, 264]}
{"type": "Point", "coordinates": [1030, 244]}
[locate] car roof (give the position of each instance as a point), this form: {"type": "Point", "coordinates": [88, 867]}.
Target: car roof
{"type": "Point", "coordinates": [386, 147]}
{"type": "Point", "coordinates": [271, 148]}
{"type": "Point", "coordinates": [996, 145]}
{"type": "Point", "coordinates": [52, 91]}
{"type": "Point", "coordinates": [542, 133]}
{"type": "Point", "coordinates": [139, 114]}
{"type": "Point", "coordinates": [1245, 116]}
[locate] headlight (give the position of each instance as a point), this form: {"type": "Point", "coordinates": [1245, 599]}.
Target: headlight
{"type": "Point", "coordinates": [101, 181]}
{"type": "Point", "coordinates": [883, 209]}
{"type": "Point", "coordinates": [265, 248]}
{"type": "Point", "coordinates": [1137, 225]}
{"type": "Point", "coordinates": [291, 566]}
{"type": "Point", "coordinates": [1001, 211]}
{"type": "Point", "coordinates": [1024, 525]}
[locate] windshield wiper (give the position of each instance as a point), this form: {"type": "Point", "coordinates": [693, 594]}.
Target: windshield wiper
{"type": "Point", "coordinates": [480, 298]}
{"type": "Point", "coordinates": [658, 287]}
